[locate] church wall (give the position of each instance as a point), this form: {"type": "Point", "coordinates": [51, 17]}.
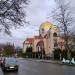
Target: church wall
{"type": "Point", "coordinates": [24, 48]}
{"type": "Point", "coordinates": [49, 41]}
{"type": "Point", "coordinates": [46, 46]}
{"type": "Point", "coordinates": [34, 44]}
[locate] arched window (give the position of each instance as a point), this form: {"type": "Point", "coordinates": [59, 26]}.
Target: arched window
{"type": "Point", "coordinates": [55, 34]}
{"type": "Point", "coordinates": [42, 30]}
{"type": "Point", "coordinates": [55, 43]}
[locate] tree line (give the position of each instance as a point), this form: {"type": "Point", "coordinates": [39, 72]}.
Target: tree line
{"type": "Point", "coordinates": [7, 49]}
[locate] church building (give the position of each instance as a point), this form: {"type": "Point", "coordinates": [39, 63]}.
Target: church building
{"type": "Point", "coordinates": [48, 39]}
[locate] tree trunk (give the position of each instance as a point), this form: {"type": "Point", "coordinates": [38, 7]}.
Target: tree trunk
{"type": "Point", "coordinates": [67, 42]}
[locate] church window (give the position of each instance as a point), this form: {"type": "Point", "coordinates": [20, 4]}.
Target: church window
{"type": "Point", "coordinates": [42, 30]}
{"type": "Point", "coordinates": [55, 34]}
{"type": "Point", "coordinates": [55, 43]}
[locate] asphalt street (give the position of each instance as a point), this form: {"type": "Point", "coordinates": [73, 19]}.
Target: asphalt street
{"type": "Point", "coordinates": [27, 67]}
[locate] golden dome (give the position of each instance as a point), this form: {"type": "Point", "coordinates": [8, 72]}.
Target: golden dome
{"type": "Point", "coordinates": [46, 26]}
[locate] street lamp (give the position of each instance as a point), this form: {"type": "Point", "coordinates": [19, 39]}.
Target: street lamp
{"type": "Point", "coordinates": [38, 52]}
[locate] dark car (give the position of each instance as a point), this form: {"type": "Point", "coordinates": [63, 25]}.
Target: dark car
{"type": "Point", "coordinates": [1, 61]}
{"type": "Point", "coordinates": [10, 64]}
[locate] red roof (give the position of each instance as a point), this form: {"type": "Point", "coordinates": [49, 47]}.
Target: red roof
{"type": "Point", "coordinates": [38, 37]}
{"type": "Point", "coordinates": [30, 40]}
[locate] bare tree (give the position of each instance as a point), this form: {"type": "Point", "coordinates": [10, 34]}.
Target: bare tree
{"type": "Point", "coordinates": [64, 16]}
{"type": "Point", "coordinates": [11, 14]}
{"type": "Point", "coordinates": [9, 49]}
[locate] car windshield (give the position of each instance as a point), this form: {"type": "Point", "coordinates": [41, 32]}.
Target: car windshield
{"type": "Point", "coordinates": [10, 61]}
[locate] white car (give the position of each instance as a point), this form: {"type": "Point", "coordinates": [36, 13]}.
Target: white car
{"type": "Point", "coordinates": [73, 61]}
{"type": "Point", "coordinates": [64, 61]}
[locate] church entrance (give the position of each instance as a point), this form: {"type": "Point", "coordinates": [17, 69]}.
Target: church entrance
{"type": "Point", "coordinates": [40, 49]}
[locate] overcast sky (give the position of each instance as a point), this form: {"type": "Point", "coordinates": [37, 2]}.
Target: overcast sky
{"type": "Point", "coordinates": [37, 13]}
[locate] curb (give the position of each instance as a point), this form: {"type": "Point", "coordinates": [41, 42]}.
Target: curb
{"type": "Point", "coordinates": [43, 61]}
{"type": "Point", "coordinates": [52, 62]}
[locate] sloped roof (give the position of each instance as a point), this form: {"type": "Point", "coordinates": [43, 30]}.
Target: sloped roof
{"type": "Point", "coordinates": [29, 40]}
{"type": "Point", "coordinates": [38, 37]}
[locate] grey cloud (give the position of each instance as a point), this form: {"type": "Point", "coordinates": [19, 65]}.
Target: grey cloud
{"type": "Point", "coordinates": [37, 12]}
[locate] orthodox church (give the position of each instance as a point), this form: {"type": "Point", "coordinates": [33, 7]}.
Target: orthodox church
{"type": "Point", "coordinates": [47, 40]}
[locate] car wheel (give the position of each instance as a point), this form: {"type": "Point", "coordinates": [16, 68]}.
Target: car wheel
{"type": "Point", "coordinates": [17, 69]}
{"type": "Point", "coordinates": [3, 69]}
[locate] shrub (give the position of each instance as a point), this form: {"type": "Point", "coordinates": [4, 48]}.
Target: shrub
{"type": "Point", "coordinates": [57, 53]}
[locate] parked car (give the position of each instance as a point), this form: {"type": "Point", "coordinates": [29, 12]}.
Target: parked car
{"type": "Point", "coordinates": [10, 64]}
{"type": "Point", "coordinates": [73, 61]}
{"type": "Point", "coordinates": [64, 61]}
{"type": "Point", "coordinates": [69, 62]}
{"type": "Point", "coordinates": [1, 60]}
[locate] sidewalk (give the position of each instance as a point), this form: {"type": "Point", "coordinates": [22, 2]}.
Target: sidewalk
{"type": "Point", "coordinates": [45, 61]}
{"type": "Point", "coordinates": [1, 73]}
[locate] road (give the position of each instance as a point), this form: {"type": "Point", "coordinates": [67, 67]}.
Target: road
{"type": "Point", "coordinates": [38, 68]}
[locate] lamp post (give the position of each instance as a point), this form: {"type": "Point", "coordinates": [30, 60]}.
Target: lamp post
{"type": "Point", "coordinates": [39, 52]}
